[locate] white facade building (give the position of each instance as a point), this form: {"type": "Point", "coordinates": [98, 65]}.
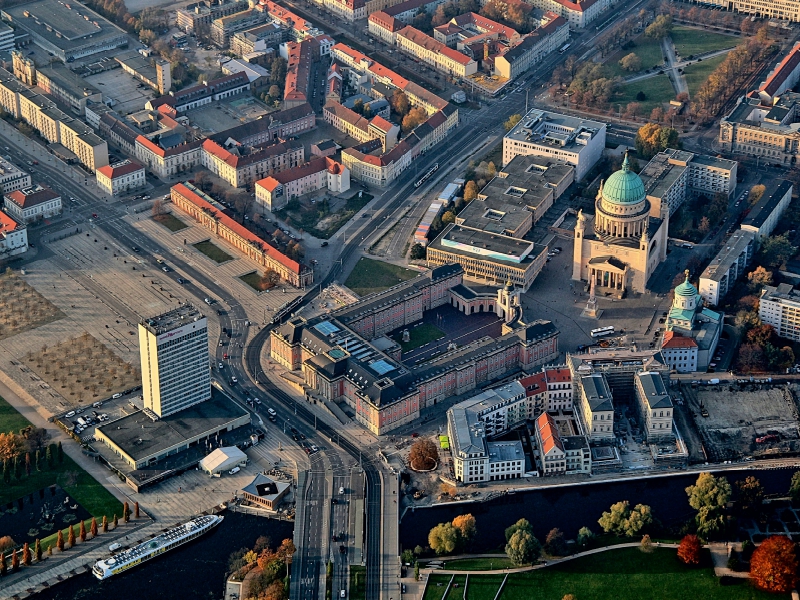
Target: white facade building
{"type": "Point", "coordinates": [13, 178]}
{"type": "Point", "coordinates": [655, 406]}
{"type": "Point", "coordinates": [727, 266]}
{"type": "Point", "coordinates": [173, 348]}
{"type": "Point", "coordinates": [780, 307]}
{"type": "Point", "coordinates": [32, 204]}
{"type": "Point", "coordinates": [13, 237]}
{"type": "Point", "coordinates": [121, 177]}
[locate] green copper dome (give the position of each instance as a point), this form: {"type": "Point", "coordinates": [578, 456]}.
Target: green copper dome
{"type": "Point", "coordinates": [624, 186]}
{"type": "Point", "coordinates": [686, 288]}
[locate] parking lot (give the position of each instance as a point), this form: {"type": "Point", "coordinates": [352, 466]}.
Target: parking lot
{"type": "Point", "coordinates": [82, 420]}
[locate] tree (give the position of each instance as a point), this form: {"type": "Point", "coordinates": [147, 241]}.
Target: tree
{"type": "Point", "coordinates": [3, 564]}
{"type": "Point", "coordinates": [708, 497]}
{"type": "Point", "coordinates": [38, 459]}
{"type": "Point", "coordinates": [653, 138]}
{"type": "Point", "coordinates": [400, 103]}
{"type": "Point", "coordinates": [17, 468]}
{"type": "Point", "coordinates": [14, 561]}
{"type": "Point", "coordinates": [554, 543]}
{"type": "Point", "coordinates": [60, 454]}
{"type": "Point", "coordinates": [82, 532]}
{"type": "Point", "coordinates": [660, 27]}
{"type": "Point", "coordinates": [37, 550]}
{"type": "Point", "coordinates": [115, 521]}
{"type": "Point", "coordinates": [126, 512]}
{"type": "Point", "coordinates": [756, 193]}
{"type": "Point", "coordinates": [93, 527]}
{"type": "Point", "coordinates": [269, 279]}
{"type": "Point", "coordinates": [275, 92]}
{"type": "Point", "coordinates": [48, 456]}
{"type": "Point", "coordinates": [585, 537]}
{"type": "Point", "coordinates": [10, 445]}
{"type": "Point", "coordinates": [759, 277]}
{"type": "Point", "coordinates": [776, 250]}
{"type": "Point", "coordinates": [444, 538]}
{"type": "Point", "coordinates": [621, 520]}
{"type": "Point", "coordinates": [632, 109]}
{"type": "Point", "coordinates": [415, 117]}
{"type": "Point", "coordinates": [522, 547]}
{"type": "Point", "coordinates": [449, 217]}
{"type": "Point", "coordinates": [105, 524]}
{"type": "Point", "coordinates": [773, 566]}
{"type": "Point", "coordinates": [641, 96]}
{"type": "Point", "coordinates": [512, 121]}
{"type": "Point", "coordinates": [275, 591]}
{"type": "Point", "coordinates": [750, 495]}
{"type": "Point", "coordinates": [158, 209]}
{"type": "Point", "coordinates": [277, 74]}
{"type": "Point", "coordinates": [470, 191]}
{"type": "Point", "coordinates": [794, 487]}
{"type": "Point", "coordinates": [689, 550]}
{"type": "Point", "coordinates": [704, 225]}
{"type": "Point", "coordinates": [522, 525]}
{"type": "Point", "coordinates": [71, 537]}
{"type": "Point", "coordinates": [358, 106]}
{"type": "Point", "coordinates": [6, 472]}
{"type": "Point", "coordinates": [631, 62]}
{"type": "Point", "coordinates": [60, 540]}
{"type": "Point", "coordinates": [417, 252]}
{"type": "Point", "coordinates": [416, 570]}
{"type": "Point", "coordinates": [466, 526]}
{"type": "Point", "coordinates": [26, 555]}
{"type": "Point", "coordinates": [135, 510]}
{"type": "Point", "coordinates": [423, 455]}
{"type": "Point", "coordinates": [657, 114]}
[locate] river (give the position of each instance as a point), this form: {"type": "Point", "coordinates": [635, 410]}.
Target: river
{"type": "Point", "coordinates": [196, 570]}
{"type": "Point", "coordinates": [570, 508]}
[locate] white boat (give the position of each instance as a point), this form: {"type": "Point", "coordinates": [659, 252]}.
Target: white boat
{"type": "Point", "coordinates": [177, 536]}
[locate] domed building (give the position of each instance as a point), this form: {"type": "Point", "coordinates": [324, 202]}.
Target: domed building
{"type": "Point", "coordinates": [622, 243]}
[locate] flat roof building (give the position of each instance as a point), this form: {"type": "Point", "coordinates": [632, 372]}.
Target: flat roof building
{"type": "Point", "coordinates": [173, 349]}
{"type": "Point", "coordinates": [12, 177]}
{"type": "Point", "coordinates": [766, 213]}
{"type": "Point", "coordinates": [727, 266]}
{"type": "Point", "coordinates": [578, 142]}
{"type": "Point", "coordinates": [780, 307]}
{"type": "Point", "coordinates": [265, 492]}
{"type": "Point", "coordinates": [68, 30]}
{"type": "Point", "coordinates": [655, 406]}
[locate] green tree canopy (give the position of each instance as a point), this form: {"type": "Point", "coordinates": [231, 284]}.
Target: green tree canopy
{"type": "Point", "coordinates": [631, 62]}
{"type": "Point", "coordinates": [444, 538]}
{"type": "Point", "coordinates": [621, 520]}
{"type": "Point", "coordinates": [708, 496]}
{"type": "Point", "coordinates": [660, 28]}
{"type": "Point", "coordinates": [512, 121]}
{"type": "Point", "coordinates": [522, 524]}
{"type": "Point", "coordinates": [522, 547]}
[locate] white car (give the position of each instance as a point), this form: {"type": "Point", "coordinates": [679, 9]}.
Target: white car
{"type": "Point", "coordinates": [234, 380]}
{"type": "Point", "coordinates": [221, 366]}
{"type": "Point", "coordinates": [70, 414]}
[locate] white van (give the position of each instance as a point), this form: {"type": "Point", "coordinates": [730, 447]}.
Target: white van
{"type": "Point", "coordinates": [114, 547]}
{"type": "Point", "coordinates": [81, 421]}
{"type": "Point", "coordinates": [271, 412]}
{"type": "Point", "coordinates": [234, 471]}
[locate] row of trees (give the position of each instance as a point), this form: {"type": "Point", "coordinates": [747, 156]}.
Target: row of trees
{"type": "Point", "coordinates": [652, 138]}
{"type": "Point", "coordinates": [446, 538]}
{"type": "Point", "coordinates": [271, 582]}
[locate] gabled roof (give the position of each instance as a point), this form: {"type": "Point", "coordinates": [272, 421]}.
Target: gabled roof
{"type": "Point", "coordinates": [534, 384]}
{"type": "Point", "coordinates": [28, 197]}
{"type": "Point", "coordinates": [548, 434]}
{"type": "Point", "coordinates": [7, 224]}
{"type": "Point", "coordinates": [674, 341]}
{"type": "Point", "coordinates": [125, 167]}
{"type": "Point", "coordinates": [423, 40]}
{"type": "Point", "coordinates": [784, 69]}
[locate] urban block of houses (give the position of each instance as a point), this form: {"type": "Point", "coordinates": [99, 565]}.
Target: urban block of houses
{"type": "Point", "coordinates": [12, 177]}
{"type": "Point", "coordinates": [202, 93]}
{"type": "Point", "coordinates": [275, 191]}
{"type": "Point", "coordinates": [299, 56]}
{"type": "Point", "coordinates": [346, 355]}
{"type": "Point", "coordinates": [579, 14]}
{"type": "Point", "coordinates": [30, 205]}
{"type": "Point", "coordinates": [56, 80]}
{"type": "Point", "coordinates": [257, 39]}
{"type": "Point", "coordinates": [727, 266]}
{"type": "Point", "coordinates": [361, 128]}
{"type": "Point", "coordinates": [560, 454]}
{"type": "Point", "coordinates": [205, 12]}
{"type": "Point", "coordinates": [241, 166]}
{"type": "Point", "coordinates": [153, 71]}
{"type": "Point", "coordinates": [297, 26]}
{"type": "Point", "coordinates": [13, 236]}
{"type": "Point", "coordinates": [223, 28]}
{"type": "Point", "coordinates": [269, 129]}
{"type": "Point", "coordinates": [121, 177]}
{"type": "Point", "coordinates": [208, 213]}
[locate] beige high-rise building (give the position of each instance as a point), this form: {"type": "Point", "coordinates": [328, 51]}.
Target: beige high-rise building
{"type": "Point", "coordinates": [173, 348]}
{"type": "Point", "coordinates": [621, 244]}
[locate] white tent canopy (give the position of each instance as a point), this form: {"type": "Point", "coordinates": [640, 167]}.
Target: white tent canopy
{"type": "Point", "coordinates": [222, 459]}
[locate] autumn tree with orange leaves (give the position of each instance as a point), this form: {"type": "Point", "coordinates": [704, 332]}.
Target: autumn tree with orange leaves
{"type": "Point", "coordinates": [773, 566]}
{"type": "Point", "coordinates": [689, 550]}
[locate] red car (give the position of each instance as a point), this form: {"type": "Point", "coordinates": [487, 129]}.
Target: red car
{"type": "Point", "coordinates": [94, 215]}
{"type": "Point", "coordinates": [414, 435]}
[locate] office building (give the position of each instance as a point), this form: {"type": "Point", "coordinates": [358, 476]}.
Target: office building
{"type": "Point", "coordinates": [31, 205]}
{"type": "Point", "coordinates": [532, 48]}
{"type": "Point", "coordinates": [275, 191]}
{"type": "Point", "coordinates": [595, 407]}
{"type": "Point", "coordinates": [784, 10]}
{"type": "Point", "coordinates": [224, 27]}
{"type": "Point", "coordinates": [57, 80]}
{"type": "Point", "coordinates": [203, 13]}
{"type": "Point", "coordinates": [6, 38]}
{"type": "Point", "coordinates": [672, 176]}
{"type": "Point", "coordinates": [679, 352]}
{"type": "Point", "coordinates": [241, 166]}
{"type": "Point", "coordinates": [173, 348]}
{"type": "Point", "coordinates": [578, 142]}
{"type": "Point", "coordinates": [765, 129]}
{"type": "Point", "coordinates": [361, 128]}
{"type": "Point", "coordinates": [560, 455]}
{"type": "Point", "coordinates": [257, 39]}
{"type": "Point", "coordinates": [579, 13]}
{"type": "Point", "coordinates": [727, 266]}
{"type": "Point", "coordinates": [618, 248]}
{"type": "Point", "coordinates": [780, 307]}
{"type": "Point", "coordinates": [655, 407]}
{"type": "Point", "coordinates": [67, 30]}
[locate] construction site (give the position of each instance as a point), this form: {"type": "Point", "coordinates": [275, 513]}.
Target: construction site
{"type": "Point", "coordinates": [742, 421]}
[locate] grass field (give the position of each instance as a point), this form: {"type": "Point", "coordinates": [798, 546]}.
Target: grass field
{"type": "Point", "coordinates": [689, 41]}
{"type": "Point", "coordinates": [372, 276]}
{"type": "Point", "coordinates": [437, 585]}
{"type": "Point", "coordinates": [213, 252]}
{"type": "Point", "coordinates": [479, 564]}
{"type": "Point", "coordinates": [658, 90]}
{"type": "Point", "coordinates": [697, 73]}
{"type": "Point", "coordinates": [170, 221]}
{"type": "Point", "coordinates": [420, 335]}
{"type": "Point", "coordinates": [649, 51]}
{"type": "Point", "coordinates": [624, 574]}
{"type": "Point", "coordinates": [10, 419]}
{"type": "Point", "coordinates": [253, 280]}
{"type": "Point", "coordinates": [357, 582]}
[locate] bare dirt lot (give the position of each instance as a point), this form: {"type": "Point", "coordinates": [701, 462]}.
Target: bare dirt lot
{"type": "Point", "coordinates": [736, 418]}
{"type": "Point", "coordinates": [23, 307]}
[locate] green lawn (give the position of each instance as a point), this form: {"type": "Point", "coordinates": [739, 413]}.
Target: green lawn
{"type": "Point", "coordinates": [253, 280]}
{"type": "Point", "coordinates": [697, 73]}
{"type": "Point", "coordinates": [171, 222]}
{"type": "Point", "coordinates": [658, 90]}
{"type": "Point", "coordinates": [625, 574]}
{"type": "Point", "coordinates": [649, 51]}
{"type": "Point", "coordinates": [213, 251]}
{"type": "Point", "coordinates": [357, 582]}
{"type": "Point", "coordinates": [690, 41]}
{"type": "Point", "coordinates": [479, 564]}
{"type": "Point", "coordinates": [10, 419]}
{"type": "Point", "coordinates": [420, 335]}
{"type": "Point", "coordinates": [437, 584]}
{"type": "Point", "coordinates": [373, 276]}
{"type": "Point", "coordinates": [457, 593]}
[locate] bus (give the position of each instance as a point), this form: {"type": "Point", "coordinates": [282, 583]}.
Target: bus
{"type": "Point", "coordinates": [564, 48]}
{"type": "Point", "coordinates": [602, 331]}
{"type": "Point", "coordinates": [424, 178]}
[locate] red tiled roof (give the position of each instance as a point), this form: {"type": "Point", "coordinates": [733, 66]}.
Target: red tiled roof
{"type": "Point", "coordinates": [385, 21]}
{"type": "Point", "coordinates": [380, 123]}
{"type": "Point", "coordinates": [548, 432]}
{"type": "Point", "coordinates": [405, 6]}
{"type": "Point", "coordinates": [315, 165]}
{"type": "Point", "coordinates": [346, 114]}
{"type": "Point", "coordinates": [673, 339]}
{"type": "Point", "coordinates": [175, 150]}
{"type": "Point", "coordinates": [448, 28]}
{"type": "Point", "coordinates": [487, 25]}
{"type": "Point", "coordinates": [238, 229]}
{"type": "Point", "coordinates": [789, 63]}
{"type": "Point", "coordinates": [7, 224]}
{"type": "Point", "coordinates": [576, 6]}
{"type": "Point", "coordinates": [125, 167]}
{"type": "Point", "coordinates": [558, 375]}
{"type": "Point", "coordinates": [32, 196]}
{"type": "Point", "coordinates": [534, 384]}
{"type": "Point", "coordinates": [415, 36]}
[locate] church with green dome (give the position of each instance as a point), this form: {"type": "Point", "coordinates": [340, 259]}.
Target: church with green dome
{"type": "Point", "coordinates": [620, 246]}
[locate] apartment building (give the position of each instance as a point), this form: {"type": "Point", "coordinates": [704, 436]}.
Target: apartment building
{"type": "Point", "coordinates": [764, 216]}
{"type": "Point", "coordinates": [578, 142]}
{"type": "Point", "coordinates": [780, 307]}
{"type": "Point", "coordinates": [730, 263]}
{"type": "Point", "coordinates": [31, 205]}
{"type": "Point", "coordinates": [533, 48]}
{"type": "Point", "coordinates": [223, 28]}
{"type": "Point", "coordinates": [595, 407]}
{"type": "Point", "coordinates": [300, 57]}
{"type": "Point", "coordinates": [446, 60]}
{"type": "Point", "coordinates": [173, 351]}
{"type": "Point", "coordinates": [784, 10]}
{"type": "Point", "coordinates": [297, 26]}
{"type": "Point", "coordinates": [121, 177]}
{"type": "Point", "coordinates": [13, 236]}
{"type": "Point", "coordinates": [208, 213]}
{"type": "Point", "coordinates": [205, 12]}
{"type": "Point", "coordinates": [579, 14]}
{"type": "Point", "coordinates": [12, 177]}
{"type": "Point", "coordinates": [257, 39]}
{"type": "Point", "coordinates": [559, 388]}
{"type": "Point", "coordinates": [242, 166]}
{"type": "Point", "coordinates": [673, 175]}
{"type": "Point", "coordinates": [680, 352]}
{"type": "Point", "coordinates": [275, 191]}
{"type": "Point", "coordinates": [560, 455]}
{"type": "Point", "coordinates": [166, 162]}
{"type": "Point", "coordinates": [655, 407]}
{"type": "Point", "coordinates": [360, 128]}
{"type": "Point", "coordinates": [57, 80]}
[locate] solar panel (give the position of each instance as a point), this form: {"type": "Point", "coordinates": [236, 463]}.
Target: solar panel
{"type": "Point", "coordinates": [381, 367]}
{"type": "Point", "coordinates": [326, 328]}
